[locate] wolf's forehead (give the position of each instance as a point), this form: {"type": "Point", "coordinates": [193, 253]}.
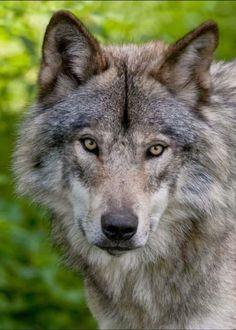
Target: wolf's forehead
{"type": "Point", "coordinates": [122, 100]}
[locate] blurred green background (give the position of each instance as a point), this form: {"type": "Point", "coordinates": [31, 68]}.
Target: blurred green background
{"type": "Point", "coordinates": [36, 290]}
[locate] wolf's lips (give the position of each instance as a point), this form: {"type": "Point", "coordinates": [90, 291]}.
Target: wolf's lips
{"type": "Point", "coordinates": [117, 250]}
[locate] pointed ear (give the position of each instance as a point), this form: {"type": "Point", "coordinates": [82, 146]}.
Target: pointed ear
{"type": "Point", "coordinates": [185, 67]}
{"type": "Point", "coordinates": [70, 55]}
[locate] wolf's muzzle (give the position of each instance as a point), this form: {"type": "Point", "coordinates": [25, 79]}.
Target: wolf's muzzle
{"type": "Point", "coordinates": [119, 225]}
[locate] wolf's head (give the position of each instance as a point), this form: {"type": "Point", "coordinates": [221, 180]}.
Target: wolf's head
{"type": "Point", "coordinates": [119, 145]}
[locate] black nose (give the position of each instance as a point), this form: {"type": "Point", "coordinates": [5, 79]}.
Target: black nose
{"type": "Point", "coordinates": [119, 225]}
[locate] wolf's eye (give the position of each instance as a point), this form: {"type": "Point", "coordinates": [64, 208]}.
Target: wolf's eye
{"type": "Point", "coordinates": [156, 150]}
{"type": "Point", "coordinates": [90, 145]}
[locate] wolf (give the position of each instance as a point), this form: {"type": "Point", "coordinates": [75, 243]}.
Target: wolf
{"type": "Point", "coordinates": [132, 149]}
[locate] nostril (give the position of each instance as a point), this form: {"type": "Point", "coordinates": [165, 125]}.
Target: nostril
{"type": "Point", "coordinates": [119, 225]}
{"type": "Point", "coordinates": [109, 230]}
{"type": "Point", "coordinates": [129, 230]}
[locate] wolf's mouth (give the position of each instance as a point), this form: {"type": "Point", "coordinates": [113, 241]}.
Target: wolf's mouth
{"type": "Point", "coordinates": [116, 250]}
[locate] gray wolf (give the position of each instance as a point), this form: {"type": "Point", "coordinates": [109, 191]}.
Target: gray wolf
{"type": "Point", "coordinates": [132, 148]}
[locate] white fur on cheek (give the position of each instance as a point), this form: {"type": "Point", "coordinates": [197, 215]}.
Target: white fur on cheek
{"type": "Point", "coordinates": [159, 202]}
{"type": "Point", "coordinates": [149, 214]}
{"type": "Point", "coordinates": [80, 199]}
{"type": "Point", "coordinates": [87, 211]}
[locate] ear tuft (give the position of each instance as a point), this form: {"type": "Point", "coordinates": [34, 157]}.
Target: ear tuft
{"type": "Point", "coordinates": [186, 63]}
{"type": "Point", "coordinates": [70, 55]}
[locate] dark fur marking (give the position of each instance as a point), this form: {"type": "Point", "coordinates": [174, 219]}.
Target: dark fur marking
{"type": "Point", "coordinates": [125, 120]}
{"type": "Point", "coordinates": [37, 162]}
{"type": "Point", "coordinates": [81, 226]}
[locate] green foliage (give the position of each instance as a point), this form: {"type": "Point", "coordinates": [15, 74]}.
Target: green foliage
{"type": "Point", "coordinates": [36, 290]}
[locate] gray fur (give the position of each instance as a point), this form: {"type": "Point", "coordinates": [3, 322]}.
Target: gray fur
{"type": "Point", "coordinates": [181, 270]}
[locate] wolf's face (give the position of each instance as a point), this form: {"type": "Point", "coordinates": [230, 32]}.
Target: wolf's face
{"type": "Point", "coordinates": [123, 171]}
{"type": "Point", "coordinates": [118, 171]}
{"type": "Point", "coordinates": [116, 142]}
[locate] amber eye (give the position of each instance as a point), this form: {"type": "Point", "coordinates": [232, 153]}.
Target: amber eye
{"type": "Point", "coordinates": [89, 145]}
{"type": "Point", "coordinates": [156, 150]}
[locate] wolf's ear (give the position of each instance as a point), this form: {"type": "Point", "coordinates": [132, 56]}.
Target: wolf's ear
{"type": "Point", "coordinates": [70, 55]}
{"type": "Point", "coordinates": [185, 67]}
